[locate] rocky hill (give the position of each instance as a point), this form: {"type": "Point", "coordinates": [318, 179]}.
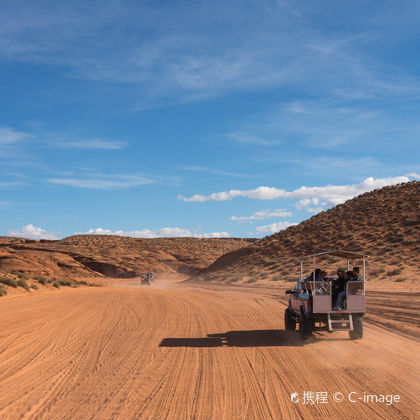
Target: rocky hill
{"type": "Point", "coordinates": [112, 256]}
{"type": "Point", "coordinates": [382, 223]}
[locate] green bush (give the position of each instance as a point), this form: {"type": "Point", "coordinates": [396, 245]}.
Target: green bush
{"type": "Point", "coordinates": [34, 286]}
{"type": "Point", "coordinates": [41, 279]}
{"type": "Point", "coordinates": [394, 272]}
{"type": "Point", "coordinates": [65, 282]}
{"type": "Point", "coordinates": [22, 283]}
{"type": "Point", "coordinates": [8, 281]}
{"type": "Point", "coordinates": [400, 279]}
{"type": "Point", "coordinates": [56, 284]}
{"type": "Point", "coordinates": [21, 274]}
{"type": "Point", "coordinates": [85, 283]}
{"type": "Point", "coordinates": [2, 291]}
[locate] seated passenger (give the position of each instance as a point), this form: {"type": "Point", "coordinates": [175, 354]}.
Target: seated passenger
{"type": "Point", "coordinates": [342, 294]}
{"type": "Point", "coordinates": [356, 274]}
{"type": "Point", "coordinates": [323, 275]}
{"type": "Point", "coordinates": [339, 285]}
{"type": "Point", "coordinates": [322, 288]}
{"type": "Point", "coordinates": [311, 276]}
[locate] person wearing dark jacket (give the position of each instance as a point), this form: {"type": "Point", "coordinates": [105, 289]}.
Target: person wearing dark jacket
{"type": "Point", "coordinates": [339, 285]}
{"type": "Point", "coordinates": [349, 275]}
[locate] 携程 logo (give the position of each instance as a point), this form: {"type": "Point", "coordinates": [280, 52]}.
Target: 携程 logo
{"type": "Point", "coordinates": [294, 397]}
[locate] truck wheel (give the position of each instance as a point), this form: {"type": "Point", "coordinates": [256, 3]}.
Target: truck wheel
{"type": "Point", "coordinates": [305, 327]}
{"type": "Point", "coordinates": [289, 321]}
{"type": "Point", "coordinates": [357, 332]}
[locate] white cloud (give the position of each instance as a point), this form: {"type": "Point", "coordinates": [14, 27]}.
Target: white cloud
{"type": "Point", "coordinates": [414, 175]}
{"type": "Point", "coordinates": [275, 227]}
{"type": "Point", "coordinates": [95, 144]}
{"type": "Point", "coordinates": [307, 203]}
{"type": "Point", "coordinates": [103, 182]}
{"type": "Point", "coordinates": [262, 214]}
{"type": "Point", "coordinates": [166, 232]}
{"type": "Point", "coordinates": [32, 232]}
{"type": "Point", "coordinates": [214, 235]}
{"type": "Point", "coordinates": [9, 136]}
{"type": "Point", "coordinates": [330, 194]}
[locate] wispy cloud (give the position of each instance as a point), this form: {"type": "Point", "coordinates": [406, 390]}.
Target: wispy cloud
{"type": "Point", "coordinates": [273, 44]}
{"type": "Point", "coordinates": [103, 182]}
{"type": "Point", "coordinates": [246, 138]}
{"type": "Point", "coordinates": [9, 184]}
{"type": "Point", "coordinates": [262, 214]}
{"type": "Point", "coordinates": [10, 136]}
{"type": "Point", "coordinates": [94, 144]}
{"type": "Point", "coordinates": [166, 232]}
{"type": "Point", "coordinates": [32, 232]}
{"type": "Point", "coordinates": [213, 171]}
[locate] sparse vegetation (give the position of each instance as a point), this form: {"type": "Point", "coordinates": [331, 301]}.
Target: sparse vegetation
{"type": "Point", "coordinates": [41, 279]}
{"type": "Point", "coordinates": [85, 283]}
{"type": "Point", "coordinates": [65, 282]}
{"type": "Point", "coordinates": [23, 283]}
{"type": "Point", "coordinates": [8, 281]}
{"type": "Point", "coordinates": [394, 272]}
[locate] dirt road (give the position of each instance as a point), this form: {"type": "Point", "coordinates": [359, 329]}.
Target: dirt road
{"type": "Point", "coordinates": [181, 353]}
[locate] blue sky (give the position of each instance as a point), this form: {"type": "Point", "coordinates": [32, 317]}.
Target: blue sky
{"type": "Point", "coordinates": [174, 118]}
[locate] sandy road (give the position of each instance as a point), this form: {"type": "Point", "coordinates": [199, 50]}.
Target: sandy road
{"type": "Point", "coordinates": [176, 352]}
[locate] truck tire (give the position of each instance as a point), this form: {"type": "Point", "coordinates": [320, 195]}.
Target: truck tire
{"type": "Point", "coordinates": [289, 321]}
{"type": "Point", "coordinates": [305, 326]}
{"type": "Point", "coordinates": [357, 332]}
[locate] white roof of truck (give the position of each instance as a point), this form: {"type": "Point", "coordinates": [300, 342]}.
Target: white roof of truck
{"type": "Point", "coordinates": [340, 253]}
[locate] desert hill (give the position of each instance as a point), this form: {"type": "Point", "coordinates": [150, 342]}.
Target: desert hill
{"type": "Point", "coordinates": [382, 223]}
{"type": "Point", "coordinates": [112, 256]}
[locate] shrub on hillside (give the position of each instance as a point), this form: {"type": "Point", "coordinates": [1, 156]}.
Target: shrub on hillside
{"type": "Point", "coordinates": [85, 283]}
{"type": "Point", "coordinates": [41, 279]}
{"type": "Point", "coordinates": [23, 276]}
{"type": "Point", "coordinates": [65, 282]}
{"type": "Point", "coordinates": [22, 283]}
{"type": "Point", "coordinates": [394, 272]}
{"type": "Point", "coordinates": [8, 281]}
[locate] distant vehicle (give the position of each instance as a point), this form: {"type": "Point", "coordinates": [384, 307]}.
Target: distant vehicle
{"type": "Point", "coordinates": [311, 301]}
{"type": "Point", "coordinates": [147, 279]}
